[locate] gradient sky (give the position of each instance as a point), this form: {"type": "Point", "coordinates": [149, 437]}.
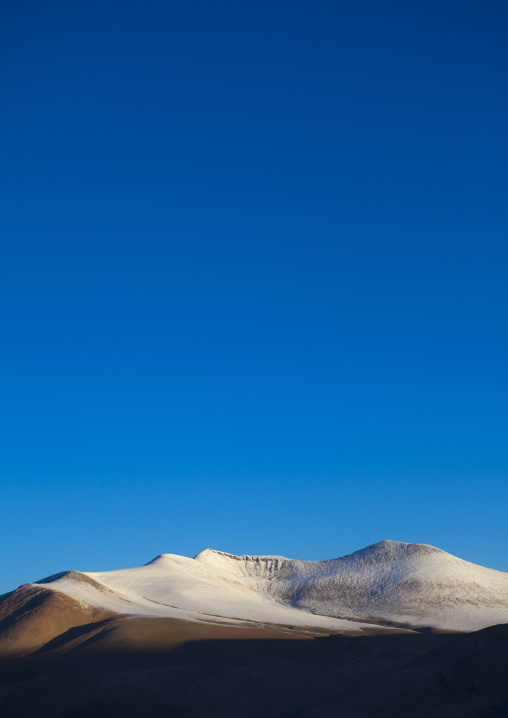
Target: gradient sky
{"type": "Point", "coordinates": [253, 280]}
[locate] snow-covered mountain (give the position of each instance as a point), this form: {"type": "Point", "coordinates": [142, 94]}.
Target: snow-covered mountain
{"type": "Point", "coordinates": [388, 583]}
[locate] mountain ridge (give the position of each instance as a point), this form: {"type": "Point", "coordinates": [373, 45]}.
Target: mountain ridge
{"type": "Point", "coordinates": [387, 583]}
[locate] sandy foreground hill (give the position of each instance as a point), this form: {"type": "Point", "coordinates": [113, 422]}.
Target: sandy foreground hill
{"type": "Point", "coordinates": [225, 635]}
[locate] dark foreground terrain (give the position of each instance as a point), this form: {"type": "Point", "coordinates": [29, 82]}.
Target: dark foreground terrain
{"type": "Point", "coordinates": [59, 660]}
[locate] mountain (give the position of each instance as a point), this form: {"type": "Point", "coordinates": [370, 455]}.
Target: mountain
{"type": "Point", "coordinates": [388, 583]}
{"type": "Point", "coordinates": [218, 636]}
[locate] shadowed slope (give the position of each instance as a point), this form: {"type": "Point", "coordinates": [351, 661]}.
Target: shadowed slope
{"type": "Point", "coordinates": [150, 667]}
{"type": "Point", "coordinates": [468, 677]}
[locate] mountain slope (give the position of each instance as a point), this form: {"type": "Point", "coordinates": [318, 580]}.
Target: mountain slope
{"type": "Point", "coordinates": [411, 585]}
{"type": "Point", "coordinates": [183, 588]}
{"type": "Point", "coordinates": [32, 616]}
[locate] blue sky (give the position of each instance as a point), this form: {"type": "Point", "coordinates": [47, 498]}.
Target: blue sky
{"type": "Point", "coordinates": [252, 281]}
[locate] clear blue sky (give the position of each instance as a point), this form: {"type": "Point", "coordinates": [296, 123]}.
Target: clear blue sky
{"type": "Point", "coordinates": [253, 279]}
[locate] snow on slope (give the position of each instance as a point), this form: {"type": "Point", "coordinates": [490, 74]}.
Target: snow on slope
{"type": "Point", "coordinates": [389, 582]}
{"type": "Point", "coordinates": [179, 587]}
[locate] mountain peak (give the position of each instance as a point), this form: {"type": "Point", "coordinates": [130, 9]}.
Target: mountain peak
{"type": "Point", "coordinates": [386, 549]}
